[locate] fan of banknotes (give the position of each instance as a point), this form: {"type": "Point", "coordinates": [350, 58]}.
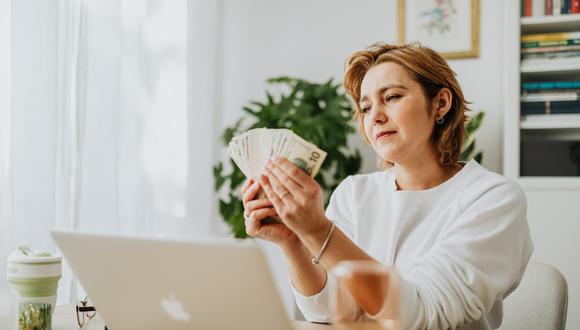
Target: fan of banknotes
{"type": "Point", "coordinates": [252, 149]}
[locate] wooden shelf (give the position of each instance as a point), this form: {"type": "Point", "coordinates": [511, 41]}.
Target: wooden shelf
{"type": "Point", "coordinates": [555, 121]}
{"type": "Point", "coordinates": [547, 24]}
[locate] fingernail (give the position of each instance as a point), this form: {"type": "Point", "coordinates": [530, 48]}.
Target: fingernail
{"type": "Point", "coordinates": [263, 178]}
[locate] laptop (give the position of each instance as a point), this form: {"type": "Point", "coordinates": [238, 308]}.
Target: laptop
{"type": "Point", "coordinates": [160, 283]}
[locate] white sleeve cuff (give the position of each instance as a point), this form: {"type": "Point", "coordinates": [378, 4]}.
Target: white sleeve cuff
{"type": "Point", "coordinates": [315, 307]}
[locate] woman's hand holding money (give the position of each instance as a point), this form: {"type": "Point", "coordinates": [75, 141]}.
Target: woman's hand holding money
{"type": "Point", "coordinates": [258, 209]}
{"type": "Point", "coordinates": [296, 197]}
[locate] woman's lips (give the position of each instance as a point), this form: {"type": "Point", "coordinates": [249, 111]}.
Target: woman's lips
{"type": "Point", "coordinates": [385, 134]}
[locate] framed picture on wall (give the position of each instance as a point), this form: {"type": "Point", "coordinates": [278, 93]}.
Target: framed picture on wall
{"type": "Point", "coordinates": [450, 27]}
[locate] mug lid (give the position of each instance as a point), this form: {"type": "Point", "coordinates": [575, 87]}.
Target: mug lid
{"type": "Point", "coordinates": [26, 255]}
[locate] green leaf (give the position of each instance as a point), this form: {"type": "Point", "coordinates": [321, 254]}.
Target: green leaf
{"type": "Point", "coordinates": [474, 122]}
{"type": "Point", "coordinates": [217, 174]}
{"type": "Point", "coordinates": [479, 157]}
{"type": "Point", "coordinates": [472, 127]}
{"type": "Point", "coordinates": [231, 131]}
{"type": "Point", "coordinates": [467, 152]}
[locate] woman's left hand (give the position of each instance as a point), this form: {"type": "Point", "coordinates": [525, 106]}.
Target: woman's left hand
{"type": "Point", "coordinates": [296, 197]}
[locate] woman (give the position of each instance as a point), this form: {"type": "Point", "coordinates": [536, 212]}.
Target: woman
{"type": "Point", "coordinates": [456, 232]}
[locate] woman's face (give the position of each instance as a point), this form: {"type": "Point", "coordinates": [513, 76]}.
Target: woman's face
{"type": "Point", "coordinates": [395, 117]}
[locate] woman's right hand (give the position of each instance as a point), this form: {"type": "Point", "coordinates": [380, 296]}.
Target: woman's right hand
{"type": "Point", "coordinates": [258, 209]}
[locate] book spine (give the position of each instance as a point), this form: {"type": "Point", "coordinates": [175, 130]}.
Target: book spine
{"type": "Point", "coordinates": [533, 50]}
{"type": "Point", "coordinates": [565, 7]}
{"type": "Point", "coordinates": [575, 6]}
{"type": "Point", "coordinates": [551, 36]}
{"type": "Point", "coordinates": [548, 10]}
{"type": "Point", "coordinates": [537, 7]}
{"type": "Point", "coordinates": [557, 7]}
{"type": "Point", "coordinates": [527, 8]}
{"type": "Point", "coordinates": [552, 97]}
{"type": "Point", "coordinates": [556, 107]}
{"type": "Point", "coordinates": [550, 43]}
{"type": "Point", "coordinates": [551, 85]}
{"type": "Point", "coordinates": [553, 55]}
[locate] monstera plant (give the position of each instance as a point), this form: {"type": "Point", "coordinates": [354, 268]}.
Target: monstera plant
{"type": "Point", "coordinates": [320, 113]}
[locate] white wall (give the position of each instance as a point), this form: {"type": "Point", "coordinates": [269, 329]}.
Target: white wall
{"type": "Point", "coordinates": [5, 127]}
{"type": "Point", "coordinates": [312, 40]}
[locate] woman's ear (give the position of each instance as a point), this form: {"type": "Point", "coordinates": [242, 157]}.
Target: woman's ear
{"type": "Point", "coordinates": [442, 103]}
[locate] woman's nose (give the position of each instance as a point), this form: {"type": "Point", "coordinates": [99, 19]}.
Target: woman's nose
{"type": "Point", "coordinates": [378, 115]}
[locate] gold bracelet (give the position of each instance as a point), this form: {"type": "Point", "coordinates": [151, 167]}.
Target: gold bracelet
{"type": "Point", "coordinates": [315, 259]}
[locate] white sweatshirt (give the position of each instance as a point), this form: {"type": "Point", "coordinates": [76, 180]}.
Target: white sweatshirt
{"type": "Point", "coordinates": [460, 247]}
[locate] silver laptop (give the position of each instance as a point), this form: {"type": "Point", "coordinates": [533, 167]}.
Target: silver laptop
{"type": "Point", "coordinates": [150, 283]}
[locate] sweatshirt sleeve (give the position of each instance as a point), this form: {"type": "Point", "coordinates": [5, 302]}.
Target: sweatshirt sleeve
{"type": "Point", "coordinates": [477, 262]}
{"type": "Point", "coordinates": [315, 308]}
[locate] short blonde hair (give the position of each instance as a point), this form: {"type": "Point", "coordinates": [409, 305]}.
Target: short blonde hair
{"type": "Point", "coordinates": [427, 68]}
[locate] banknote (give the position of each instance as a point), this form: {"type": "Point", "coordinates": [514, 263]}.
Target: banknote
{"type": "Point", "coordinates": [251, 150]}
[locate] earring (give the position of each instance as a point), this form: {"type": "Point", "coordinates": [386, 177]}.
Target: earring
{"type": "Point", "coordinates": [440, 120]}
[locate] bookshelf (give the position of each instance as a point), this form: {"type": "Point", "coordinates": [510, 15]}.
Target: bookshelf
{"type": "Point", "coordinates": [526, 130]}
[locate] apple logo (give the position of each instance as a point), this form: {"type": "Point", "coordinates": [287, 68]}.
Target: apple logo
{"type": "Point", "coordinates": [174, 308]}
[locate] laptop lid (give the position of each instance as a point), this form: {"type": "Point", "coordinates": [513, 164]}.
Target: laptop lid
{"type": "Point", "coordinates": [150, 283]}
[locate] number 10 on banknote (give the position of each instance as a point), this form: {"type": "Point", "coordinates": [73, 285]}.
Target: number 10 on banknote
{"type": "Point", "coordinates": [252, 149]}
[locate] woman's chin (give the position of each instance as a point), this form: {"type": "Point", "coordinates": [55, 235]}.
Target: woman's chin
{"type": "Point", "coordinates": [390, 156]}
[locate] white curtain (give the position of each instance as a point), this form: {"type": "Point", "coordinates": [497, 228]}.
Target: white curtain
{"type": "Point", "coordinates": [6, 191]}
{"type": "Point", "coordinates": [131, 139]}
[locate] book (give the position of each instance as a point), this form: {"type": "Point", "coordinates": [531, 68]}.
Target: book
{"type": "Point", "coordinates": [533, 44]}
{"type": "Point", "coordinates": [565, 7]}
{"type": "Point", "coordinates": [543, 97]}
{"type": "Point", "coordinates": [537, 7]}
{"type": "Point", "coordinates": [548, 63]}
{"type": "Point", "coordinates": [527, 8]}
{"type": "Point", "coordinates": [550, 107]}
{"type": "Point", "coordinates": [546, 49]}
{"type": "Point", "coordinates": [547, 85]}
{"type": "Point", "coordinates": [552, 55]}
{"type": "Point", "coordinates": [575, 7]}
{"type": "Point", "coordinates": [557, 36]}
{"type": "Point", "coordinates": [556, 7]}
{"type": "Point", "coordinates": [548, 8]}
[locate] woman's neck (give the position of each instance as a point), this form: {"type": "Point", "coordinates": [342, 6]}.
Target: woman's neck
{"type": "Point", "coordinates": [423, 173]}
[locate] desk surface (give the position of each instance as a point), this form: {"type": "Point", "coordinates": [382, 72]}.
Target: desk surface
{"type": "Point", "coordinates": [64, 318]}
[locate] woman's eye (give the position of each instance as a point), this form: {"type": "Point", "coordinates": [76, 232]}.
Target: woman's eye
{"type": "Point", "coordinates": [364, 110]}
{"type": "Point", "coordinates": [390, 98]}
